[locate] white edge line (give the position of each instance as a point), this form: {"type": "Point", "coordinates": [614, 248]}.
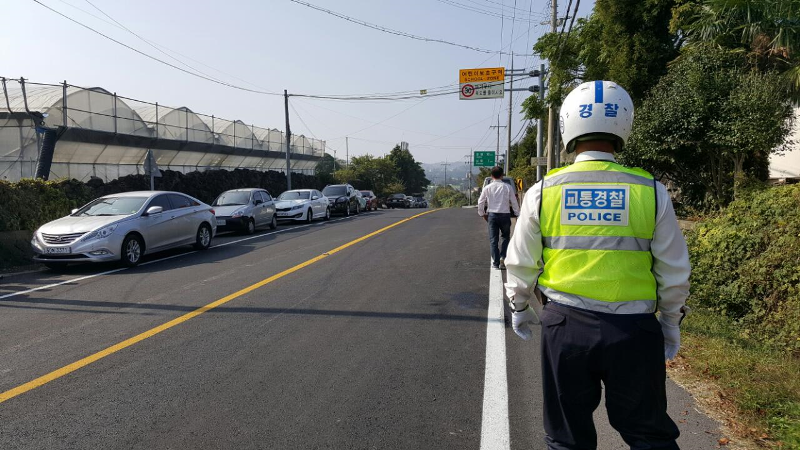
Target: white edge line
{"type": "Point", "coordinates": [109, 272]}
{"type": "Point", "coordinates": [495, 432]}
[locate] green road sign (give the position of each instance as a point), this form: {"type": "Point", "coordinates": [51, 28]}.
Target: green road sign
{"type": "Point", "coordinates": [483, 159]}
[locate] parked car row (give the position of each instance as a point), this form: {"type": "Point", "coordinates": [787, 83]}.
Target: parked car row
{"type": "Point", "coordinates": [125, 227]}
{"type": "Point", "coordinates": [405, 201]}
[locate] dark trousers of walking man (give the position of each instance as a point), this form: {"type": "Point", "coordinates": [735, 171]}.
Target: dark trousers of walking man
{"type": "Point", "coordinates": [499, 226]}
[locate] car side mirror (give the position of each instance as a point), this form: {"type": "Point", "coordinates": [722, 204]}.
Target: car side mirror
{"type": "Point", "coordinates": [154, 210]}
{"type": "Point", "coordinates": [258, 202]}
{"type": "Point", "coordinates": [74, 211]}
{"type": "Point", "coordinates": [315, 197]}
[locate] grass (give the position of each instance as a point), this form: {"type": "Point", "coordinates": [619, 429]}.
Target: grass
{"type": "Point", "coordinates": [758, 384]}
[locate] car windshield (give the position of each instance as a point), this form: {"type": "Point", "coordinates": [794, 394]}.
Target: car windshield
{"type": "Point", "coordinates": [334, 191]}
{"type": "Point", "coordinates": [294, 195]}
{"type": "Point", "coordinates": [231, 198]}
{"type": "Point", "coordinates": [112, 206]}
{"type": "Point", "coordinates": [398, 196]}
{"type": "Point", "coordinates": [366, 194]}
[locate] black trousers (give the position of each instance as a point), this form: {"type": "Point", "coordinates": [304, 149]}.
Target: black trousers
{"type": "Point", "coordinates": [581, 349]}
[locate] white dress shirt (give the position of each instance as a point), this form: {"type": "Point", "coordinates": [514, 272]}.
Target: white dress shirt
{"type": "Point", "coordinates": [670, 255]}
{"type": "Point", "coordinates": [497, 197]}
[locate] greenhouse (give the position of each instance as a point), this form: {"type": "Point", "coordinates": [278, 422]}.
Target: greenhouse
{"type": "Point", "coordinates": [92, 132]}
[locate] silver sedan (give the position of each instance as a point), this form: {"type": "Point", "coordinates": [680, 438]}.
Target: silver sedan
{"type": "Point", "coordinates": [125, 227]}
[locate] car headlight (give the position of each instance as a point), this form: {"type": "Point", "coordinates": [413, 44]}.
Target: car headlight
{"type": "Point", "coordinates": [296, 207]}
{"type": "Point", "coordinates": [341, 199]}
{"type": "Point", "coordinates": [99, 234]}
{"type": "Point", "coordinates": [237, 214]}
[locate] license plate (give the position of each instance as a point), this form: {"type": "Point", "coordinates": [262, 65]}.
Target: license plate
{"type": "Point", "coordinates": [283, 214]}
{"type": "Point", "coordinates": [220, 223]}
{"type": "Point", "coordinates": [59, 250]}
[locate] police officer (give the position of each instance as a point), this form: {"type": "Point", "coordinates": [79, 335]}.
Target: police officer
{"type": "Point", "coordinates": [601, 244]}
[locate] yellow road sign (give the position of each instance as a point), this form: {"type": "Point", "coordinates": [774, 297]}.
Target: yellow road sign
{"type": "Point", "coordinates": [482, 75]}
{"type": "Point", "coordinates": [482, 83]}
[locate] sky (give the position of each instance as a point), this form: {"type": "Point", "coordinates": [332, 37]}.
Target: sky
{"type": "Point", "coordinates": [272, 45]}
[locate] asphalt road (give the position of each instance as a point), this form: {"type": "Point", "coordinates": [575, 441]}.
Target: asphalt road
{"type": "Point", "coordinates": [377, 344]}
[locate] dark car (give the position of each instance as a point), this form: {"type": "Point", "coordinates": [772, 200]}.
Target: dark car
{"type": "Point", "coordinates": [397, 201]}
{"type": "Point", "coordinates": [421, 202]}
{"type": "Point", "coordinates": [342, 199]}
{"type": "Point", "coordinates": [372, 200]}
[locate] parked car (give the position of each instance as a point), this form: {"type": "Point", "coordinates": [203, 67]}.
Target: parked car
{"type": "Point", "coordinates": [342, 199]}
{"type": "Point", "coordinates": [245, 210]}
{"type": "Point", "coordinates": [397, 201]}
{"type": "Point", "coordinates": [421, 203]}
{"type": "Point", "coordinates": [125, 227]}
{"type": "Point", "coordinates": [372, 200]}
{"type": "Point", "coordinates": [411, 202]}
{"type": "Point", "coordinates": [362, 202]}
{"type": "Point", "coordinates": [303, 204]}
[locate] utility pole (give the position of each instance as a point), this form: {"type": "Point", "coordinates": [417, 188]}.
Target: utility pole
{"type": "Point", "coordinates": [347, 149]}
{"type": "Point", "coordinates": [469, 178]}
{"type": "Point", "coordinates": [445, 171]}
{"type": "Point", "coordinates": [552, 126]}
{"type": "Point", "coordinates": [288, 140]}
{"type": "Point", "coordinates": [539, 123]}
{"type": "Point", "coordinates": [498, 126]}
{"type": "Point", "coordinates": [510, 110]}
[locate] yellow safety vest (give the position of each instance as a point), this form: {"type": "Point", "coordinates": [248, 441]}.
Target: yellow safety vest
{"type": "Point", "coordinates": [597, 220]}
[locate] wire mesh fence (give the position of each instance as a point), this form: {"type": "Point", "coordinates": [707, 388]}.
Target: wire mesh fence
{"type": "Point", "coordinates": [28, 108]}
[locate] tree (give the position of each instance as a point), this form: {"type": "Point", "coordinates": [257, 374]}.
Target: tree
{"type": "Point", "coordinates": [766, 30]}
{"type": "Point", "coordinates": [369, 172]}
{"type": "Point", "coordinates": [447, 197]}
{"type": "Point", "coordinates": [626, 41]}
{"type": "Point", "coordinates": [687, 131]}
{"type": "Point", "coordinates": [408, 171]}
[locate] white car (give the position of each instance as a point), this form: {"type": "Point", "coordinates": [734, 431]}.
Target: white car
{"type": "Point", "coordinates": [303, 204]}
{"type": "Point", "coordinates": [125, 227]}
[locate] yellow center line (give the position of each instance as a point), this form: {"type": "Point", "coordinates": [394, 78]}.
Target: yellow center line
{"type": "Point", "coordinates": [69, 368]}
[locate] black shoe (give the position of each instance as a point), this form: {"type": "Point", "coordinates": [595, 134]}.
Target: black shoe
{"type": "Point", "coordinates": [502, 265]}
{"type": "Point", "coordinates": [495, 267]}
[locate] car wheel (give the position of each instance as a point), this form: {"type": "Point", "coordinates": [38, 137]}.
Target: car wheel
{"type": "Point", "coordinates": [274, 223]}
{"type": "Point", "coordinates": [347, 211]}
{"type": "Point", "coordinates": [251, 227]}
{"type": "Point", "coordinates": [309, 216]}
{"type": "Point", "coordinates": [203, 240]}
{"type": "Point", "coordinates": [327, 214]}
{"type": "Point", "coordinates": [132, 250]}
{"type": "Point", "coordinates": [55, 265]}
{"type": "Point", "coordinates": [358, 208]}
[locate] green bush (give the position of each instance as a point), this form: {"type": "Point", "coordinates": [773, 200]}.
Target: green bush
{"type": "Point", "coordinates": [745, 263]}
{"type": "Point", "coordinates": [29, 203]}
{"type": "Point", "coordinates": [447, 197]}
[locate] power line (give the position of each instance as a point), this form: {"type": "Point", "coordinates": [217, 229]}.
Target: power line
{"type": "Point", "coordinates": [392, 31]}
{"type": "Point", "coordinates": [223, 83]}
{"type": "Point", "coordinates": [148, 42]}
{"type": "Point", "coordinates": [479, 10]}
{"type": "Point", "coordinates": [571, 22]}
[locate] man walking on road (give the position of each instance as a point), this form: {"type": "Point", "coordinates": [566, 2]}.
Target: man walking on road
{"type": "Point", "coordinates": [601, 243]}
{"type": "Point", "coordinates": [495, 204]}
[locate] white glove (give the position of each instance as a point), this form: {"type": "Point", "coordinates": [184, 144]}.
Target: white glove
{"type": "Point", "coordinates": [521, 321]}
{"type": "Point", "coordinates": [672, 339]}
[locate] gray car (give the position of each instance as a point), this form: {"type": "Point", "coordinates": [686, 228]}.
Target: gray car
{"type": "Point", "coordinates": [125, 227]}
{"type": "Point", "coordinates": [245, 210]}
